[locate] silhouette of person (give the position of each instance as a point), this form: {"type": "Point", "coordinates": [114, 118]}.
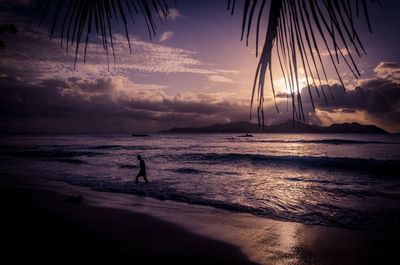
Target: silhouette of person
{"type": "Point", "coordinates": [142, 171]}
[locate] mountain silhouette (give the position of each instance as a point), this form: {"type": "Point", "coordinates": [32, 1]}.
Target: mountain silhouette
{"type": "Point", "coordinates": [287, 127]}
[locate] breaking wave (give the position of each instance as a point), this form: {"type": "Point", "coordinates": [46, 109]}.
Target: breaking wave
{"type": "Point", "coordinates": [374, 166]}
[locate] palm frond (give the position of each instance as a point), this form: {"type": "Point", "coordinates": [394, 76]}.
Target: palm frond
{"type": "Point", "coordinates": [298, 31]}
{"type": "Point", "coordinates": [76, 20]}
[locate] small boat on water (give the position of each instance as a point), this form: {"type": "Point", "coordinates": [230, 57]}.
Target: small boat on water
{"type": "Point", "coordinates": [139, 135]}
{"type": "Point", "coordinates": [246, 135]}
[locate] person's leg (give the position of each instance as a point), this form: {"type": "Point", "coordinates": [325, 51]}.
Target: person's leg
{"type": "Point", "coordinates": [145, 178]}
{"type": "Point", "coordinates": [137, 178]}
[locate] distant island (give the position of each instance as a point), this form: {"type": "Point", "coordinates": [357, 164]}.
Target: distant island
{"type": "Point", "coordinates": [139, 135]}
{"type": "Point", "coordinates": [287, 127]}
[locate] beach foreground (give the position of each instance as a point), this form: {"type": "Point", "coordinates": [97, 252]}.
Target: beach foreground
{"type": "Point", "coordinates": [41, 225]}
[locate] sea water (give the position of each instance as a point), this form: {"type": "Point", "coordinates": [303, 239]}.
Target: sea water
{"type": "Point", "coordinates": [342, 180]}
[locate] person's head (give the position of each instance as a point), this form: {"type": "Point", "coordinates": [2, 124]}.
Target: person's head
{"type": "Point", "coordinates": [139, 157]}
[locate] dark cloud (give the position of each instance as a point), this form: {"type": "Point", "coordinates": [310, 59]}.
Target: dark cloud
{"type": "Point", "coordinates": [375, 100]}
{"type": "Point", "coordinates": [104, 105]}
{"type": "Point", "coordinates": [115, 104]}
{"type": "Point", "coordinates": [374, 96]}
{"type": "Point", "coordinates": [379, 97]}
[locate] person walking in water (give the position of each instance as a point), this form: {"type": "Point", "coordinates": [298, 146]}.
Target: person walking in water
{"type": "Point", "coordinates": [142, 171]}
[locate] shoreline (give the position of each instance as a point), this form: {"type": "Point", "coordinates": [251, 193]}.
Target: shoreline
{"type": "Point", "coordinates": [261, 240]}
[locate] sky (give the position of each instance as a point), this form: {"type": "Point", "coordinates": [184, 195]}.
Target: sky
{"type": "Point", "coordinates": [194, 72]}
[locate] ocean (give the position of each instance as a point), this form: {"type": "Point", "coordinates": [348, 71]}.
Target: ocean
{"type": "Point", "coordinates": [339, 180]}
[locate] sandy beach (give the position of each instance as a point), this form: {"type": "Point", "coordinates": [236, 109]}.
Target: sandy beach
{"type": "Point", "coordinates": [40, 224]}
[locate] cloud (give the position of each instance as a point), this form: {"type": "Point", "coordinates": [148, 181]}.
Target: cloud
{"type": "Point", "coordinates": [326, 53]}
{"type": "Point", "coordinates": [42, 92]}
{"type": "Point", "coordinates": [31, 55]}
{"type": "Point", "coordinates": [374, 100]}
{"type": "Point", "coordinates": [109, 104]}
{"type": "Point", "coordinates": [166, 36]}
{"type": "Point", "coordinates": [31, 52]}
{"type": "Point", "coordinates": [174, 14]}
{"type": "Point", "coordinates": [220, 79]}
{"type": "Point", "coordinates": [340, 115]}
{"type": "Point", "coordinates": [388, 71]}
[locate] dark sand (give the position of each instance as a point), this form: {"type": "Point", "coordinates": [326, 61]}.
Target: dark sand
{"type": "Point", "coordinates": [40, 226]}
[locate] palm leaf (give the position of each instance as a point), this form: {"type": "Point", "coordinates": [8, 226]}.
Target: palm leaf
{"type": "Point", "coordinates": [293, 30]}
{"type": "Point", "coordinates": [76, 20]}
